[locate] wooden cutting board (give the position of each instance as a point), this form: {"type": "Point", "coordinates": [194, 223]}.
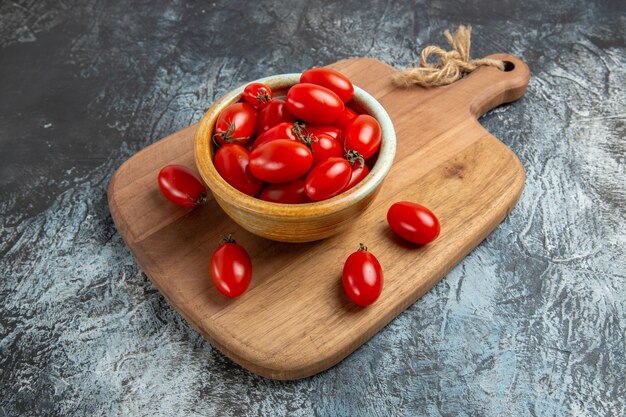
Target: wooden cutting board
{"type": "Point", "coordinates": [294, 320]}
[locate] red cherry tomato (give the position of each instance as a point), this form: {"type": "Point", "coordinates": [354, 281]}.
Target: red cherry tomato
{"type": "Point", "coordinates": [331, 131]}
{"type": "Point", "coordinates": [362, 277]}
{"type": "Point", "coordinates": [273, 113]}
{"type": "Point", "coordinates": [293, 131]}
{"type": "Point", "coordinates": [288, 193]}
{"type": "Point", "coordinates": [325, 147]}
{"type": "Point", "coordinates": [258, 95]}
{"type": "Point", "coordinates": [235, 124]}
{"type": "Point", "coordinates": [327, 179]}
{"type": "Point", "coordinates": [232, 162]}
{"type": "Point", "coordinates": [314, 104]}
{"type": "Point", "coordinates": [413, 222]}
{"type": "Point", "coordinates": [359, 171]}
{"type": "Point", "coordinates": [280, 160]}
{"type": "Point", "coordinates": [280, 131]}
{"type": "Point", "coordinates": [331, 79]}
{"type": "Point", "coordinates": [231, 268]}
{"type": "Point", "coordinates": [362, 134]}
{"type": "Point", "coordinates": [346, 117]}
{"type": "Point", "coordinates": [182, 186]}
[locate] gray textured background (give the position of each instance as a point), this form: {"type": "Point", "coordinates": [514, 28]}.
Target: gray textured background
{"type": "Point", "coordinates": [531, 323]}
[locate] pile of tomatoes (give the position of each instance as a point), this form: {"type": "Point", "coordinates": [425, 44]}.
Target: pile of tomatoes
{"type": "Point", "coordinates": [309, 147]}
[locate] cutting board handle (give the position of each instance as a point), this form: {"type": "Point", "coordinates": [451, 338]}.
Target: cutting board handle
{"type": "Point", "coordinates": [489, 87]}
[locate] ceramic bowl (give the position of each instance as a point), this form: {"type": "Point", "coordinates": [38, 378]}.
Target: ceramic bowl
{"type": "Point", "coordinates": [294, 222]}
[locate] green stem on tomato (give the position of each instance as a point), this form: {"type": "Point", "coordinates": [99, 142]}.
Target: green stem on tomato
{"type": "Point", "coordinates": [227, 136]}
{"type": "Point", "coordinates": [299, 129]}
{"type": "Point", "coordinates": [263, 96]}
{"type": "Point", "coordinates": [353, 157]}
{"type": "Point", "coordinates": [200, 200]}
{"type": "Point", "coordinates": [227, 239]}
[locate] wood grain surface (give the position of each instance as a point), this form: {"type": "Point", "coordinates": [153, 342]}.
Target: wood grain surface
{"type": "Point", "coordinates": [294, 320]}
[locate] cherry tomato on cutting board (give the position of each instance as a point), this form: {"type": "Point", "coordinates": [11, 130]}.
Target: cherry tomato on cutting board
{"type": "Point", "coordinates": [362, 277]}
{"type": "Point", "coordinates": [327, 179]}
{"type": "Point", "coordinates": [331, 79]}
{"type": "Point", "coordinates": [413, 222]}
{"type": "Point", "coordinates": [314, 104]}
{"type": "Point", "coordinates": [273, 113]}
{"type": "Point", "coordinates": [362, 134]}
{"type": "Point", "coordinates": [182, 186]}
{"type": "Point", "coordinates": [288, 193]}
{"type": "Point", "coordinates": [280, 160]}
{"type": "Point", "coordinates": [231, 268]}
{"type": "Point", "coordinates": [235, 124]}
{"type": "Point", "coordinates": [325, 147]}
{"type": "Point", "coordinates": [258, 95]}
{"type": "Point", "coordinates": [232, 162]}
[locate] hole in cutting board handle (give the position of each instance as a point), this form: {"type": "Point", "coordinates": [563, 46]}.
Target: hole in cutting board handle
{"type": "Point", "coordinates": [508, 66]}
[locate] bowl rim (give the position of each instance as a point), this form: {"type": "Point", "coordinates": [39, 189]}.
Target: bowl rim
{"type": "Point", "coordinates": [220, 188]}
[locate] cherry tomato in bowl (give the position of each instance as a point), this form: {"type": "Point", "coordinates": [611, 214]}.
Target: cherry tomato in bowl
{"type": "Point", "coordinates": [413, 222]}
{"type": "Point", "coordinates": [287, 193]}
{"type": "Point", "coordinates": [235, 124]}
{"type": "Point", "coordinates": [324, 147]}
{"type": "Point", "coordinates": [273, 113]}
{"type": "Point", "coordinates": [280, 131]}
{"type": "Point", "coordinates": [332, 131]}
{"type": "Point", "coordinates": [258, 95]}
{"type": "Point", "coordinates": [182, 186]}
{"type": "Point", "coordinates": [346, 117]}
{"type": "Point", "coordinates": [231, 268]}
{"type": "Point", "coordinates": [314, 104]}
{"type": "Point", "coordinates": [286, 130]}
{"type": "Point", "coordinates": [363, 134]}
{"type": "Point", "coordinates": [281, 160]}
{"type": "Point", "coordinates": [362, 277]}
{"type": "Point", "coordinates": [327, 179]}
{"type": "Point", "coordinates": [359, 172]}
{"type": "Point", "coordinates": [232, 163]}
{"type": "Point", "coordinates": [331, 79]}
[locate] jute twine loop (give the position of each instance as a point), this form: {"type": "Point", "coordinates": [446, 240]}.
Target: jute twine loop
{"type": "Point", "coordinates": [449, 66]}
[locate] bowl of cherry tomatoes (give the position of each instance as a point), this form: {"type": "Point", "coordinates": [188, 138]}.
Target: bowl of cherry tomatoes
{"type": "Point", "coordinates": [295, 157]}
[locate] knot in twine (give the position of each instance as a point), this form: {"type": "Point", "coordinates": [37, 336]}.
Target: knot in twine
{"type": "Point", "coordinates": [451, 66]}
